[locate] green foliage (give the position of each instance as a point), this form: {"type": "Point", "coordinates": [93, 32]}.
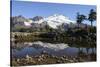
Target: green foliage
{"type": "Point", "coordinates": [80, 18]}
{"type": "Point", "coordinates": [92, 15]}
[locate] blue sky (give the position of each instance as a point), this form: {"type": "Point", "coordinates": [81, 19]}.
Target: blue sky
{"type": "Point", "coordinates": [31, 9]}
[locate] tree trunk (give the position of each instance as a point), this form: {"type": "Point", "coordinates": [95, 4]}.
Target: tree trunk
{"type": "Point", "coordinates": [78, 25]}
{"type": "Point", "coordinates": [91, 27]}
{"type": "Point", "coordinates": [91, 24]}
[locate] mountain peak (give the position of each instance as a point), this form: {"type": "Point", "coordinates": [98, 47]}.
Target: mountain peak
{"type": "Point", "coordinates": [37, 18]}
{"type": "Point", "coordinates": [57, 15]}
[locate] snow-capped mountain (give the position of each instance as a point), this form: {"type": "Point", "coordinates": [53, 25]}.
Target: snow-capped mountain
{"type": "Point", "coordinates": [53, 21]}
{"type": "Point", "coordinates": [57, 20]}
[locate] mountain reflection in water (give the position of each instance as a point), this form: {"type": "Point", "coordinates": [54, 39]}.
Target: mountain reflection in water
{"type": "Point", "coordinates": [59, 49]}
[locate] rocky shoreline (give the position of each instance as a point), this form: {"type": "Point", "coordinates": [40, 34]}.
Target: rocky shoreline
{"type": "Point", "coordinates": [45, 58]}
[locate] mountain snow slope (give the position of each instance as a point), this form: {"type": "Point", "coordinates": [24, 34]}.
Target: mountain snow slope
{"type": "Point", "coordinates": [57, 20]}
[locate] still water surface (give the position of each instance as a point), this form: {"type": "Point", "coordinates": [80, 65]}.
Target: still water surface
{"type": "Point", "coordinates": [20, 50]}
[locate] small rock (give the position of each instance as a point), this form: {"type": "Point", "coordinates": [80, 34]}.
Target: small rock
{"type": "Point", "coordinates": [58, 61]}
{"type": "Point", "coordinates": [64, 56]}
{"type": "Point", "coordinates": [18, 60]}
{"type": "Point", "coordinates": [39, 59]}
{"type": "Point", "coordinates": [42, 55]}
